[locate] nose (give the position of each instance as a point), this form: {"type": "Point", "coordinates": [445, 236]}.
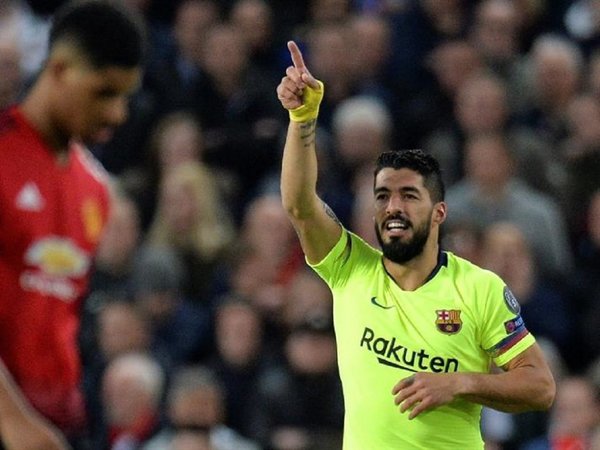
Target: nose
{"type": "Point", "coordinates": [395, 205]}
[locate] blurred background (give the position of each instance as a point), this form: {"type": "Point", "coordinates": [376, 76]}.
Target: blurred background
{"type": "Point", "coordinates": [204, 329]}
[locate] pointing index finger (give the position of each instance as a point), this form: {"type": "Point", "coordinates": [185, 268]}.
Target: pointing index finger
{"type": "Point", "coordinates": [296, 54]}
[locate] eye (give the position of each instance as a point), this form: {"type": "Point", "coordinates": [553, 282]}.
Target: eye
{"type": "Point", "coordinates": [381, 197]}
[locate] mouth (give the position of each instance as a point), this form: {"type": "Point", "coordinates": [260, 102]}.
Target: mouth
{"type": "Point", "coordinates": [396, 227]}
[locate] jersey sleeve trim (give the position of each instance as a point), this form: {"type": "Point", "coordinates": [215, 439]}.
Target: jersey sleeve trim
{"type": "Point", "coordinates": [507, 343]}
{"type": "Point", "coordinates": [511, 346]}
{"type": "Point", "coordinates": [340, 249]}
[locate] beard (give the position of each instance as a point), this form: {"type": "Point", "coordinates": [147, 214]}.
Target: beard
{"type": "Point", "coordinates": [402, 252]}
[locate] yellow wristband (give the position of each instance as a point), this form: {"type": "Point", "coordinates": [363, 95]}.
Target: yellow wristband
{"type": "Point", "coordinates": [311, 100]}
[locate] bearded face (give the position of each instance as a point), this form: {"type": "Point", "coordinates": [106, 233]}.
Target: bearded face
{"type": "Point", "coordinates": [403, 214]}
{"type": "Point", "coordinates": [403, 248]}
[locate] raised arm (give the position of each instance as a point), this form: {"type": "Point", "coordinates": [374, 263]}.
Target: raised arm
{"type": "Point", "coordinates": [317, 227]}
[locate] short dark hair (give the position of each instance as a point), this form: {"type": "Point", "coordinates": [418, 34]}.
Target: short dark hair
{"type": "Point", "coordinates": [419, 161]}
{"type": "Point", "coordinates": [106, 34]}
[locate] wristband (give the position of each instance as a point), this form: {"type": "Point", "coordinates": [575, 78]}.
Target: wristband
{"type": "Point", "coordinates": [309, 110]}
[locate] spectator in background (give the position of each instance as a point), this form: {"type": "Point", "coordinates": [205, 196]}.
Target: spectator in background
{"type": "Point", "coordinates": [544, 305]}
{"type": "Point", "coordinates": [12, 80]}
{"type": "Point", "coordinates": [110, 281]}
{"type": "Point", "coordinates": [303, 392]}
{"type": "Point", "coordinates": [417, 30]}
{"type": "Point", "coordinates": [450, 64]}
{"type": "Point", "coordinates": [255, 20]}
{"type": "Point", "coordinates": [239, 358]}
{"type": "Point", "coordinates": [583, 118]}
{"type": "Point", "coordinates": [158, 33]}
{"type": "Point", "coordinates": [174, 81]}
{"type": "Point", "coordinates": [371, 50]}
{"type": "Point", "coordinates": [329, 11]}
{"type": "Point", "coordinates": [132, 388]}
{"type": "Point", "coordinates": [593, 78]}
{"type": "Point", "coordinates": [191, 440]}
{"type": "Point", "coordinates": [463, 238]}
{"type": "Point", "coordinates": [116, 252]}
{"type": "Point", "coordinates": [119, 328]}
{"type": "Point", "coordinates": [176, 139]}
{"type": "Point", "coordinates": [20, 26]}
{"type": "Point", "coordinates": [490, 193]}
{"type": "Point", "coordinates": [238, 113]}
{"type": "Point", "coordinates": [495, 34]}
{"type": "Point", "coordinates": [195, 401]}
{"type": "Point", "coordinates": [306, 296]}
{"type": "Point", "coordinates": [574, 418]}
{"type": "Point", "coordinates": [481, 107]}
{"type": "Point", "coordinates": [557, 68]}
{"type": "Point", "coordinates": [180, 328]}
{"type": "Point", "coordinates": [329, 53]}
{"type": "Point", "coordinates": [580, 158]}
{"type": "Point", "coordinates": [582, 23]}
{"type": "Point", "coordinates": [268, 233]}
{"type": "Point", "coordinates": [191, 220]}
{"type": "Point", "coordinates": [537, 18]}
{"type": "Point", "coordinates": [269, 257]}
{"type": "Point", "coordinates": [361, 127]}
{"type": "Point", "coordinates": [586, 282]}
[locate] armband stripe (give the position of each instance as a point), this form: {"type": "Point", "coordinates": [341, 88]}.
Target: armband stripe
{"type": "Point", "coordinates": [508, 342]}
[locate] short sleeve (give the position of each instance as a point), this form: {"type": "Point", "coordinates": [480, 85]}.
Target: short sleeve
{"type": "Point", "coordinates": [328, 267]}
{"type": "Point", "coordinates": [504, 333]}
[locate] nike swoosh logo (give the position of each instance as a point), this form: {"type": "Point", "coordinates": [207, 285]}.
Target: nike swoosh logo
{"type": "Point", "coordinates": [376, 303]}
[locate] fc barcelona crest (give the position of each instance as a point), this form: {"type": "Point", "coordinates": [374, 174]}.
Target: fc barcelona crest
{"type": "Point", "coordinates": [448, 321]}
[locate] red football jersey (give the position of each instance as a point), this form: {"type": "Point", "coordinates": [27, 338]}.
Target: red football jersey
{"type": "Point", "coordinates": [51, 217]}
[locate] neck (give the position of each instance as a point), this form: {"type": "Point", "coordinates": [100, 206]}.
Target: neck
{"type": "Point", "coordinates": [38, 111]}
{"type": "Point", "coordinates": [413, 274]}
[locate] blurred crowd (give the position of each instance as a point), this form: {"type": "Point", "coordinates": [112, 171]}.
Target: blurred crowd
{"type": "Point", "coordinates": [204, 329]}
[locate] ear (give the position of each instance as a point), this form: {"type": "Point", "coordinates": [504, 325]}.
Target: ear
{"type": "Point", "coordinates": [440, 211]}
{"type": "Point", "coordinates": [56, 66]}
{"type": "Point", "coordinates": [62, 58]}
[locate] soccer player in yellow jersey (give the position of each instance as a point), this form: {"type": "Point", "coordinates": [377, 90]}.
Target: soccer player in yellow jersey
{"type": "Point", "coordinates": [417, 328]}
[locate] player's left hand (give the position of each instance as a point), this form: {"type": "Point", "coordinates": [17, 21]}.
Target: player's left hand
{"type": "Point", "coordinates": [424, 391]}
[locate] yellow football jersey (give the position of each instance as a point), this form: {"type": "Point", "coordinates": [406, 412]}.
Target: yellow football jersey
{"type": "Point", "coordinates": [460, 320]}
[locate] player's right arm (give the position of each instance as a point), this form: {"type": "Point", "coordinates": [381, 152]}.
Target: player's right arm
{"type": "Point", "coordinates": [22, 428]}
{"type": "Point", "coordinates": [317, 227]}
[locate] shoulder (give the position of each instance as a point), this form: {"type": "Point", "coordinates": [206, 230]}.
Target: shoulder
{"type": "Point", "coordinates": [359, 243]}
{"type": "Point", "coordinates": [470, 275]}
{"type": "Point", "coordinates": [360, 250]}
{"type": "Point", "coordinates": [90, 166]}
{"type": "Point", "coordinates": [350, 259]}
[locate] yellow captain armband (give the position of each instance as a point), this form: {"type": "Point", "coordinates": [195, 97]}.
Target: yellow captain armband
{"type": "Point", "coordinates": [311, 100]}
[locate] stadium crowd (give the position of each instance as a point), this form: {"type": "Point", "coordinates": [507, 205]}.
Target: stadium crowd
{"type": "Point", "coordinates": [204, 329]}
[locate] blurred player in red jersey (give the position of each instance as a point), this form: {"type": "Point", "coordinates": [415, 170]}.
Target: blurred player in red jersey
{"type": "Point", "coordinates": [54, 203]}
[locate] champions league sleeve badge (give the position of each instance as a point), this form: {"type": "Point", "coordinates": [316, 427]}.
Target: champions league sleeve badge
{"type": "Point", "coordinates": [511, 302]}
